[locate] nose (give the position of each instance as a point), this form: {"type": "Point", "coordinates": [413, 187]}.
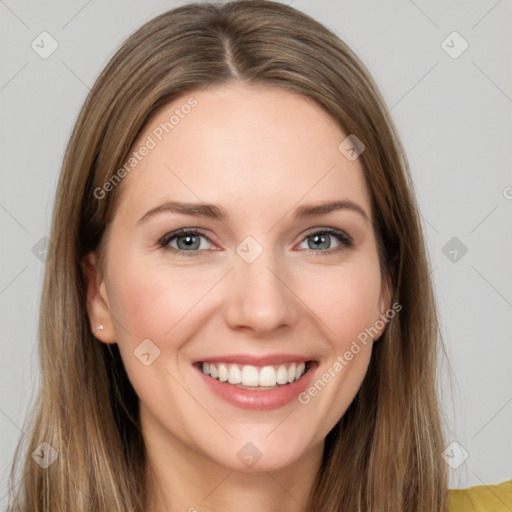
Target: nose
{"type": "Point", "coordinates": [260, 298]}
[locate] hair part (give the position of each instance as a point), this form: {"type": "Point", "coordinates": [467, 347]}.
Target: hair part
{"type": "Point", "coordinates": [384, 453]}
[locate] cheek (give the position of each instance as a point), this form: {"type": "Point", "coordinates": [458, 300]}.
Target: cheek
{"type": "Point", "coordinates": [345, 298]}
{"type": "Point", "coordinates": [156, 297]}
{"type": "Point", "coordinates": [170, 304]}
{"type": "Point", "coordinates": [155, 302]}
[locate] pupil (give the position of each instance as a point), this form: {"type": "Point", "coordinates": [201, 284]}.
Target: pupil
{"type": "Point", "coordinates": [320, 241]}
{"type": "Point", "coordinates": [188, 242]}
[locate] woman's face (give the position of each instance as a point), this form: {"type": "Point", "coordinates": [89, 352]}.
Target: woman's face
{"type": "Point", "coordinates": [262, 283]}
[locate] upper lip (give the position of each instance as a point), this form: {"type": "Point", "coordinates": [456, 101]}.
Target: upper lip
{"type": "Point", "coordinates": [248, 359]}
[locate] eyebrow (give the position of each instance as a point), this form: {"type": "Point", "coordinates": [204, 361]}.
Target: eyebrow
{"type": "Point", "coordinates": [214, 211]}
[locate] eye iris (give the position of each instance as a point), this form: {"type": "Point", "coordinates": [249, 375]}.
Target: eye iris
{"type": "Point", "coordinates": [187, 242]}
{"type": "Point", "coordinates": [191, 242]}
{"type": "Point", "coordinates": [321, 241]}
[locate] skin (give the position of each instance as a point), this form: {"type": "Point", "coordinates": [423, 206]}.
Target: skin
{"type": "Point", "coordinates": [258, 152]}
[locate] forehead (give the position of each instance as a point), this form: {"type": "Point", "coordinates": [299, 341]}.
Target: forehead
{"type": "Point", "coordinates": [251, 148]}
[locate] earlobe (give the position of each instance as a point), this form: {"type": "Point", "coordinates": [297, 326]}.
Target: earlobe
{"type": "Point", "coordinates": [98, 308]}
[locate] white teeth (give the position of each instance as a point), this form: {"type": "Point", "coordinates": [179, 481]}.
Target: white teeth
{"type": "Point", "coordinates": [248, 375]}
{"type": "Point", "coordinates": [267, 376]}
{"type": "Point", "coordinates": [300, 370]}
{"type": "Point", "coordinates": [291, 373]}
{"type": "Point", "coordinates": [282, 375]}
{"type": "Point", "coordinates": [223, 372]}
{"type": "Point", "coordinates": [234, 374]}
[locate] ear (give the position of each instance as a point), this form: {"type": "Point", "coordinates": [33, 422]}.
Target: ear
{"type": "Point", "coordinates": [384, 303]}
{"type": "Point", "coordinates": [98, 306]}
{"type": "Point", "coordinates": [385, 294]}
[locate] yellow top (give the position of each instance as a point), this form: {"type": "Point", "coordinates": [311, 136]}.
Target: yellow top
{"type": "Point", "coordinates": [482, 498]}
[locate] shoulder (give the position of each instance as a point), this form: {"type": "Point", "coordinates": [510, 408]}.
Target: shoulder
{"type": "Point", "coordinates": [482, 498]}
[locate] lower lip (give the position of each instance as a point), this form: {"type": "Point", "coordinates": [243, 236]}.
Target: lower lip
{"type": "Point", "coordinates": [259, 400]}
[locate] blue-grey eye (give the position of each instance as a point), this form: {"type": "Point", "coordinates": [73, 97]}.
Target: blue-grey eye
{"type": "Point", "coordinates": [322, 240]}
{"type": "Point", "coordinates": [319, 241]}
{"type": "Point", "coordinates": [185, 241]}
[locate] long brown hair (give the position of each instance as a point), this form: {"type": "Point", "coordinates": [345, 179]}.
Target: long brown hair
{"type": "Point", "coordinates": [385, 452]}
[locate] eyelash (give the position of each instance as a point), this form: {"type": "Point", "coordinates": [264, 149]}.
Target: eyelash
{"type": "Point", "coordinates": [344, 239]}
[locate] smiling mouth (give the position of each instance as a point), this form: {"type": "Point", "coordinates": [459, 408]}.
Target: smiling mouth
{"type": "Point", "coordinates": [252, 377]}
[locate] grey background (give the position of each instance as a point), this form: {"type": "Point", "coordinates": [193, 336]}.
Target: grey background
{"type": "Point", "coordinates": [454, 117]}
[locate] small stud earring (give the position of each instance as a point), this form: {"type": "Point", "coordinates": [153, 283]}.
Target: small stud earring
{"type": "Point", "coordinates": [100, 327]}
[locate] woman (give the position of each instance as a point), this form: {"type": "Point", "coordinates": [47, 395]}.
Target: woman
{"type": "Point", "coordinates": [237, 310]}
